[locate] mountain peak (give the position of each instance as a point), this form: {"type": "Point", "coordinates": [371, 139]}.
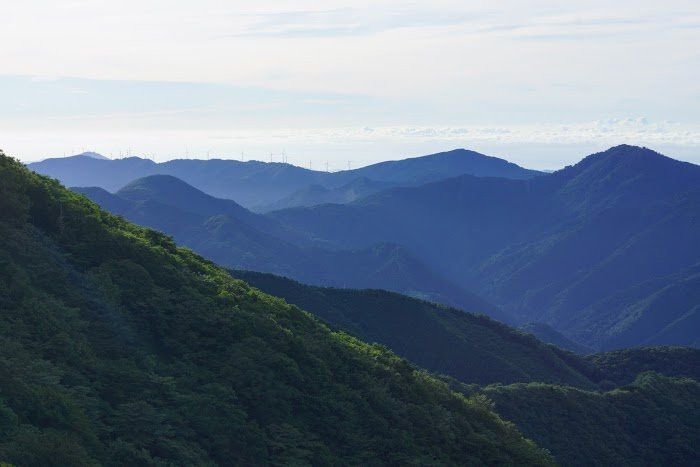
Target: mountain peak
{"type": "Point", "coordinates": [636, 159]}
{"type": "Point", "coordinates": [629, 175]}
{"type": "Point", "coordinates": [628, 150]}
{"type": "Point", "coordinates": [163, 185]}
{"type": "Point", "coordinates": [172, 191]}
{"type": "Point", "coordinates": [94, 155]}
{"type": "Point", "coordinates": [433, 167]}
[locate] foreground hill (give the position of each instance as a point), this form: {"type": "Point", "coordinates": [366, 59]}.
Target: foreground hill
{"type": "Point", "coordinates": [230, 235]}
{"type": "Point", "coordinates": [652, 421]}
{"type": "Point", "coordinates": [120, 348]}
{"type": "Point", "coordinates": [605, 251]}
{"type": "Point", "coordinates": [256, 184]}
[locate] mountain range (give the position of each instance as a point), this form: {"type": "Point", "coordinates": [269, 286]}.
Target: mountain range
{"type": "Point", "coordinates": [604, 251]}
{"type": "Point", "coordinates": [585, 252]}
{"type": "Point", "coordinates": [120, 348]}
{"type": "Point", "coordinates": [229, 234]}
{"type": "Point", "coordinates": [259, 185]}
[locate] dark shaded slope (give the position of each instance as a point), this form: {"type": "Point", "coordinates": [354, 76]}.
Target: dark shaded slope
{"type": "Point", "coordinates": [120, 348]}
{"type": "Point", "coordinates": [549, 335]}
{"type": "Point", "coordinates": [663, 311]}
{"type": "Point", "coordinates": [452, 223]}
{"type": "Point", "coordinates": [471, 348]}
{"type": "Point", "coordinates": [650, 422]}
{"type": "Point", "coordinates": [313, 195]}
{"type": "Point", "coordinates": [621, 367]}
{"type": "Point", "coordinates": [627, 215]}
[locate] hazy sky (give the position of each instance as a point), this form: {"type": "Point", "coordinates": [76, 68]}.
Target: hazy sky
{"type": "Point", "coordinates": [541, 83]}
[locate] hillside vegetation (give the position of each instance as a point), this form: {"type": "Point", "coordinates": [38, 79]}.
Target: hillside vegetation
{"type": "Point", "coordinates": [561, 402]}
{"type": "Point", "coordinates": [471, 348]}
{"type": "Point", "coordinates": [120, 348]}
{"type": "Point", "coordinates": [652, 421]}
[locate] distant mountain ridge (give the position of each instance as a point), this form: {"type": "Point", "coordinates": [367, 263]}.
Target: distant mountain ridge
{"type": "Point", "coordinates": [229, 234]}
{"type": "Point", "coordinates": [312, 195]}
{"type": "Point", "coordinates": [552, 248]}
{"type": "Point", "coordinates": [549, 335]}
{"type": "Point", "coordinates": [257, 185]}
{"type": "Point", "coordinates": [94, 155]}
{"type": "Point", "coordinates": [442, 165]}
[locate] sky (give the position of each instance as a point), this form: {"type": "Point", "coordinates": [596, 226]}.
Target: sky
{"type": "Point", "coordinates": [349, 83]}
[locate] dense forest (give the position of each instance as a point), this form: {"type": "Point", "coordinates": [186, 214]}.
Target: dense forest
{"type": "Point", "coordinates": [469, 347]}
{"type": "Point", "coordinates": [120, 348]}
{"type": "Point", "coordinates": [585, 410]}
{"type": "Point", "coordinates": [652, 421]}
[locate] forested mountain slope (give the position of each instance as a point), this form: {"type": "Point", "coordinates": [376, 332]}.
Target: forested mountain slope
{"type": "Point", "coordinates": [652, 421]}
{"type": "Point", "coordinates": [468, 347]}
{"type": "Point", "coordinates": [120, 348]}
{"type": "Point", "coordinates": [592, 414]}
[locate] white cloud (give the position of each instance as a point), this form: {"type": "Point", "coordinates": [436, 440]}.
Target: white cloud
{"type": "Point", "coordinates": [382, 48]}
{"type": "Point", "coordinates": [534, 145]}
{"type": "Point", "coordinates": [409, 70]}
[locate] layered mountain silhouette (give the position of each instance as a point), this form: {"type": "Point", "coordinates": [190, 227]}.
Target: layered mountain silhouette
{"type": "Point", "coordinates": [605, 251]}
{"type": "Point", "coordinates": [257, 185]}
{"type": "Point", "coordinates": [229, 234]}
{"type": "Point", "coordinates": [548, 334]}
{"type": "Point", "coordinates": [312, 195]}
{"type": "Point", "coordinates": [119, 348]}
